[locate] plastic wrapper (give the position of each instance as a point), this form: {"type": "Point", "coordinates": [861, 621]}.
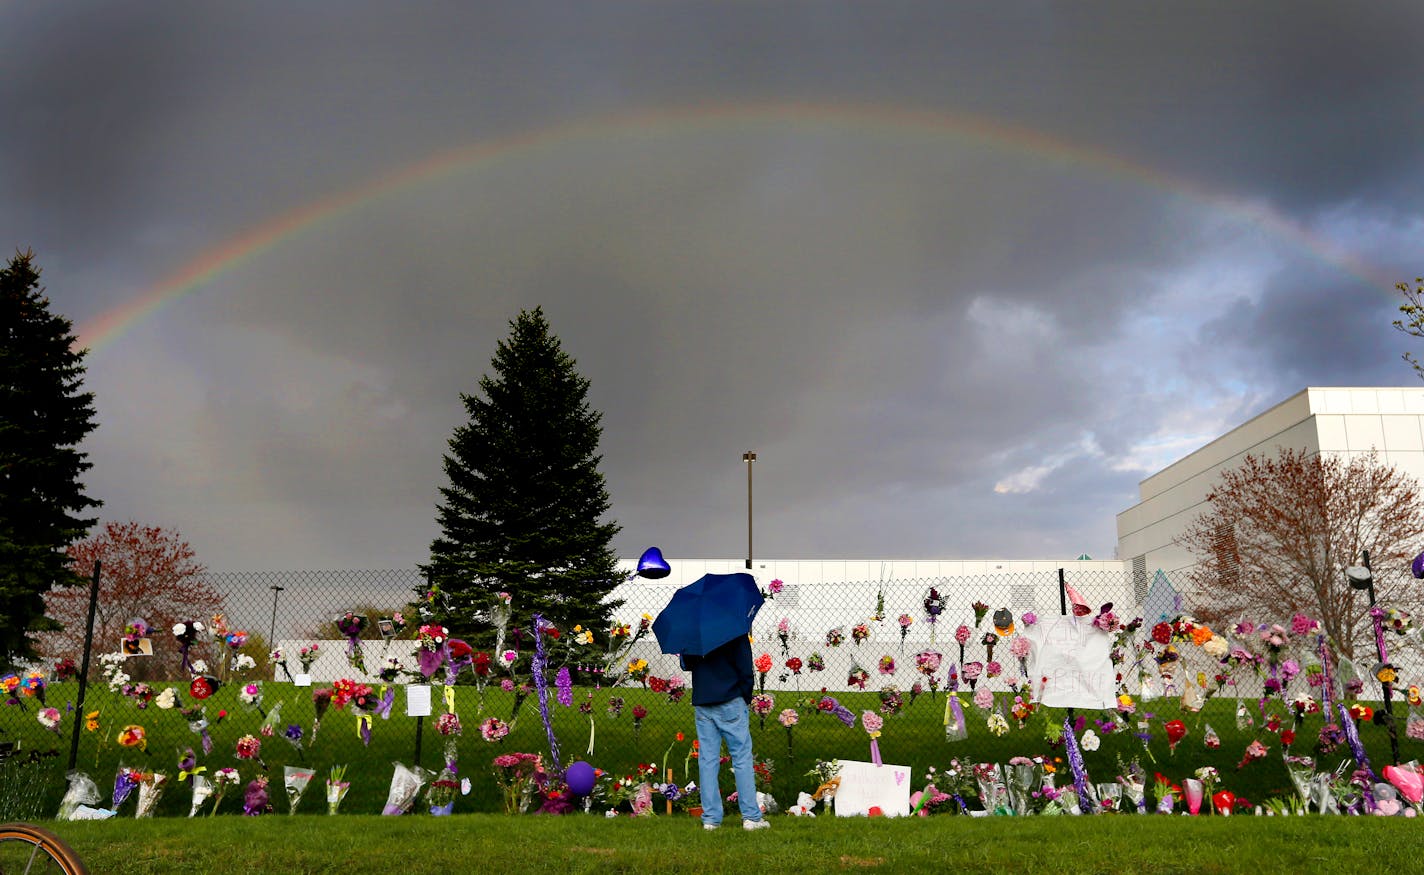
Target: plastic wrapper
{"type": "Point", "coordinates": [1111, 792]}
{"type": "Point", "coordinates": [954, 725]}
{"type": "Point", "coordinates": [992, 792]}
{"type": "Point", "coordinates": [1322, 795]}
{"type": "Point", "coordinates": [150, 790]}
{"type": "Point", "coordinates": [202, 789]}
{"type": "Point", "coordinates": [126, 780]}
{"type": "Point", "coordinates": [81, 791]}
{"type": "Point", "coordinates": [1134, 792]}
{"type": "Point", "coordinates": [1302, 776]}
{"type": "Point", "coordinates": [336, 787]}
{"type": "Point", "coordinates": [1023, 780]}
{"type": "Point", "coordinates": [406, 782]}
{"type": "Point", "coordinates": [295, 780]}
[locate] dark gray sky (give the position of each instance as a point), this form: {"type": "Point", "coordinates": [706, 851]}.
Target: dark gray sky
{"type": "Point", "coordinates": [961, 274]}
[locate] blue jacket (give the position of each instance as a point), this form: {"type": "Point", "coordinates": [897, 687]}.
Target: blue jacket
{"type": "Point", "coordinates": [723, 674]}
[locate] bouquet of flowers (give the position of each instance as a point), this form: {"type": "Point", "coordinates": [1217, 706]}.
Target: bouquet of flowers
{"type": "Point", "coordinates": [150, 790]}
{"type": "Point", "coordinates": [887, 664]}
{"type": "Point", "coordinates": [993, 792]}
{"type": "Point", "coordinates": [517, 775]}
{"type": "Point", "coordinates": [336, 787]}
{"type": "Point", "coordinates": [835, 637]}
{"type": "Point", "coordinates": [1025, 778]}
{"type": "Point", "coordinates": [406, 782]}
{"type": "Point", "coordinates": [1134, 783]}
{"type": "Point", "coordinates": [639, 712]}
{"type": "Point", "coordinates": [762, 704]}
{"type": "Point", "coordinates": [493, 729]}
{"type": "Point", "coordinates": [762, 664]}
{"type": "Point", "coordinates": [81, 791]}
{"type": "Point", "coordinates": [50, 719]}
{"type": "Point", "coordinates": [251, 696]}
{"type": "Point", "coordinates": [202, 789]}
{"type": "Point", "coordinates": [816, 662]}
{"type": "Point", "coordinates": [789, 718]}
{"type": "Point", "coordinates": [187, 632]}
{"type": "Point", "coordinates": [440, 795]}
{"type": "Point", "coordinates": [351, 625]}
{"type": "Point", "coordinates": [972, 671]}
{"type": "Point", "coordinates": [783, 634]}
{"type": "Point", "coordinates": [224, 779]}
{"type": "Point", "coordinates": [295, 780]}
{"type": "Point", "coordinates": [392, 669]}
{"type": "Point", "coordinates": [307, 655]}
{"type": "Point", "coordinates": [955, 729]}
{"type": "Point", "coordinates": [934, 606]}
{"type": "Point", "coordinates": [892, 701]}
{"type": "Point", "coordinates": [278, 658]}
{"type": "Point", "coordinates": [256, 801]}
{"type": "Point", "coordinates": [828, 705]}
{"type": "Point", "coordinates": [905, 622]}
{"type": "Point", "coordinates": [1165, 792]}
{"type": "Point", "coordinates": [827, 774]}
{"type": "Point", "coordinates": [638, 671]}
{"type": "Point", "coordinates": [961, 636]}
{"type": "Point", "coordinates": [980, 609]}
{"type": "Point", "coordinates": [860, 632]}
{"type": "Point", "coordinates": [432, 650]}
{"type": "Point", "coordinates": [857, 677]}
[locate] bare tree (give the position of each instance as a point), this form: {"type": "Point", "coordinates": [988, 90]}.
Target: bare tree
{"type": "Point", "coordinates": [1281, 530]}
{"type": "Point", "coordinates": [1413, 324]}
{"type": "Point", "coordinates": [148, 573]}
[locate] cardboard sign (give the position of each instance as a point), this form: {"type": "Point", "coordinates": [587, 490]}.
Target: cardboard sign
{"type": "Point", "coordinates": [301, 680]}
{"type": "Point", "coordinates": [866, 785]}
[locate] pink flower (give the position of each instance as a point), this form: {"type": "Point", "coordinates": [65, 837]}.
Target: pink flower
{"type": "Point", "coordinates": [984, 699]}
{"type": "Point", "coordinates": [962, 634]}
{"type": "Point", "coordinates": [872, 722]}
{"type": "Point", "coordinates": [775, 586]}
{"type": "Point", "coordinates": [1019, 646]}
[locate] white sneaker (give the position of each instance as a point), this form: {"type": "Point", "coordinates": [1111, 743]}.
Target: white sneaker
{"type": "Point", "coordinates": [710, 825]}
{"type": "Point", "coordinates": [751, 825]}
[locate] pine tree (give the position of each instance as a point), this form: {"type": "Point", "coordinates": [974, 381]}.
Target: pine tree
{"type": "Point", "coordinates": [522, 512]}
{"type": "Point", "coordinates": [43, 418]}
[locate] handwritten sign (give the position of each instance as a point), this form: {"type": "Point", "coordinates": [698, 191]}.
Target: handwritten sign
{"type": "Point", "coordinates": [1072, 664]}
{"type": "Point", "coordinates": [866, 785]}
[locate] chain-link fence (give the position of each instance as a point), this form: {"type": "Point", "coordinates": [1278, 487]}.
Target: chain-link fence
{"type": "Point", "coordinates": [884, 645]}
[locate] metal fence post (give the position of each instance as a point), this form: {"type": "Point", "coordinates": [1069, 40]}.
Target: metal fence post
{"type": "Point", "coordinates": [84, 667]}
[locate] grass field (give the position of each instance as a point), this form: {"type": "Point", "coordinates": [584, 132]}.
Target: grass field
{"type": "Point", "coordinates": [914, 738]}
{"type": "Point", "coordinates": [580, 843]}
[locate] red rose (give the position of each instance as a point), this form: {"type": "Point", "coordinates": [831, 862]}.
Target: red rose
{"type": "Point", "coordinates": [1162, 633]}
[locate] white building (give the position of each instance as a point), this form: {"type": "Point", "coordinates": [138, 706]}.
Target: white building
{"type": "Point", "coordinates": [1339, 421]}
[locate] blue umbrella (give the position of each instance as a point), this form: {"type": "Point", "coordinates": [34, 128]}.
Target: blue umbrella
{"type": "Point", "coordinates": [710, 611]}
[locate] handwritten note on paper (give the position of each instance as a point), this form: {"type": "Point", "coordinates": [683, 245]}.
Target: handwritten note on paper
{"type": "Point", "coordinates": [866, 785]}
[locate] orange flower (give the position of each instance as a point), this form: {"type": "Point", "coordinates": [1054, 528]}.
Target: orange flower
{"type": "Point", "coordinates": [1201, 635]}
{"type": "Point", "coordinates": [91, 721]}
{"type": "Point", "coordinates": [134, 736]}
{"type": "Point", "coordinates": [680, 736]}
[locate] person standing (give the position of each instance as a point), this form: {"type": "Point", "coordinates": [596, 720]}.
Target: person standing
{"type": "Point", "coordinates": [721, 692]}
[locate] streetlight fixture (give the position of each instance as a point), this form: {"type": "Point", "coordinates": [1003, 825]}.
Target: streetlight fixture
{"type": "Point", "coordinates": [749, 457]}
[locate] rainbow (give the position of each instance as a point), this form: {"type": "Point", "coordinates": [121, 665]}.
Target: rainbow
{"type": "Point", "coordinates": [231, 254]}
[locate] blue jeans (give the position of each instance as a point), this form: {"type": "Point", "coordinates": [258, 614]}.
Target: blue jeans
{"type": "Point", "coordinates": [729, 722]}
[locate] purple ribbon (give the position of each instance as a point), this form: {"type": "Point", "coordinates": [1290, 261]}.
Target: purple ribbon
{"type": "Point", "coordinates": [1377, 615]}
{"type": "Point", "coordinates": [384, 707]}
{"type": "Point", "coordinates": [958, 711]}
{"type": "Point", "coordinates": [540, 664]}
{"type": "Point", "coordinates": [1327, 687]}
{"type": "Point", "coordinates": [1075, 762]}
{"type": "Point", "coordinates": [875, 752]}
{"type": "Point", "coordinates": [429, 660]}
{"type": "Point", "coordinates": [1352, 737]}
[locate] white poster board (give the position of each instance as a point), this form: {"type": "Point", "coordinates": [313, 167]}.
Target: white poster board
{"type": "Point", "coordinates": [1072, 664]}
{"type": "Point", "coordinates": [864, 785]}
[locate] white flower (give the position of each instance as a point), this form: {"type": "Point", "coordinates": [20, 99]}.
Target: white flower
{"type": "Point", "coordinates": [1216, 647]}
{"type": "Point", "coordinates": [166, 699]}
{"type": "Point", "coordinates": [200, 667]}
{"type": "Point", "coordinates": [1090, 741]}
{"type": "Point", "coordinates": [179, 629]}
{"type": "Point", "coordinates": [243, 662]}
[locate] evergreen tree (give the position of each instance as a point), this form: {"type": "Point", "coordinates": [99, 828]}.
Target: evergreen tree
{"type": "Point", "coordinates": [43, 418]}
{"type": "Point", "coordinates": [522, 510]}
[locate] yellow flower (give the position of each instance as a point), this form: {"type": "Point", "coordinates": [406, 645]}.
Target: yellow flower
{"type": "Point", "coordinates": [91, 721]}
{"type": "Point", "coordinates": [1414, 698]}
{"type": "Point", "coordinates": [1386, 674]}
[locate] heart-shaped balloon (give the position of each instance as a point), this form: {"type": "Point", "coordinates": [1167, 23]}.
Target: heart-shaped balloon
{"type": "Point", "coordinates": [1409, 782]}
{"type": "Point", "coordinates": [1387, 807]}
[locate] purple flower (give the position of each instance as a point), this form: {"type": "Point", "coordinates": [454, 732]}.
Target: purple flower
{"type": "Point", "coordinates": [565, 684]}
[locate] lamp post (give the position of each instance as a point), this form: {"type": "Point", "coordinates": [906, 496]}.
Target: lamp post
{"type": "Point", "coordinates": [1362, 577]}
{"type": "Point", "coordinates": [749, 457]}
{"type": "Point", "coordinates": [272, 629]}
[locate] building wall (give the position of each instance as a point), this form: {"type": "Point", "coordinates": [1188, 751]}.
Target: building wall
{"type": "Point", "coordinates": [1343, 421]}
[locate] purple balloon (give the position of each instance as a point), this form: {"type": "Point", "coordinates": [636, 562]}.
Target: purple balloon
{"type": "Point", "coordinates": [652, 565]}
{"type": "Point", "coordinates": [580, 777]}
{"type": "Point", "coordinates": [1418, 567]}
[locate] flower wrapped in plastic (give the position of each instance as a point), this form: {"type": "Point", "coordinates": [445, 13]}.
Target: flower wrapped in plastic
{"type": "Point", "coordinates": [440, 795]}
{"type": "Point", "coordinates": [406, 782]}
{"type": "Point", "coordinates": [224, 779]}
{"type": "Point", "coordinates": [432, 653]}
{"type": "Point", "coordinates": [1134, 785]}
{"type": "Point", "coordinates": [49, 718]}
{"type": "Point", "coordinates": [295, 780]}
{"type": "Point", "coordinates": [761, 705]}
{"type": "Point", "coordinates": [1024, 778]}
{"type": "Point", "coordinates": [336, 788]}
{"type": "Point", "coordinates": [308, 654]}
{"type": "Point", "coordinates": [857, 676]}
{"type": "Point", "coordinates": [955, 728]}
{"type": "Point", "coordinates": [126, 780]}
{"type": "Point", "coordinates": [81, 791]}
{"type": "Point", "coordinates": [150, 790]}
{"type": "Point", "coordinates": [256, 800]}
{"type": "Point", "coordinates": [860, 632]}
{"type": "Point", "coordinates": [835, 637]}
{"type": "Point", "coordinates": [202, 789]}
{"type": "Point", "coordinates": [251, 696]}
{"type": "Point", "coordinates": [993, 792]}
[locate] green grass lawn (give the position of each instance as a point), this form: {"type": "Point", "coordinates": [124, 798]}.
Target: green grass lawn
{"type": "Point", "coordinates": [579, 843]}
{"type": "Point", "coordinates": [914, 738]}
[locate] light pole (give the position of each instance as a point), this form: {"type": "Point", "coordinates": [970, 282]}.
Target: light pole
{"type": "Point", "coordinates": [272, 629]}
{"type": "Point", "coordinates": [749, 457]}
